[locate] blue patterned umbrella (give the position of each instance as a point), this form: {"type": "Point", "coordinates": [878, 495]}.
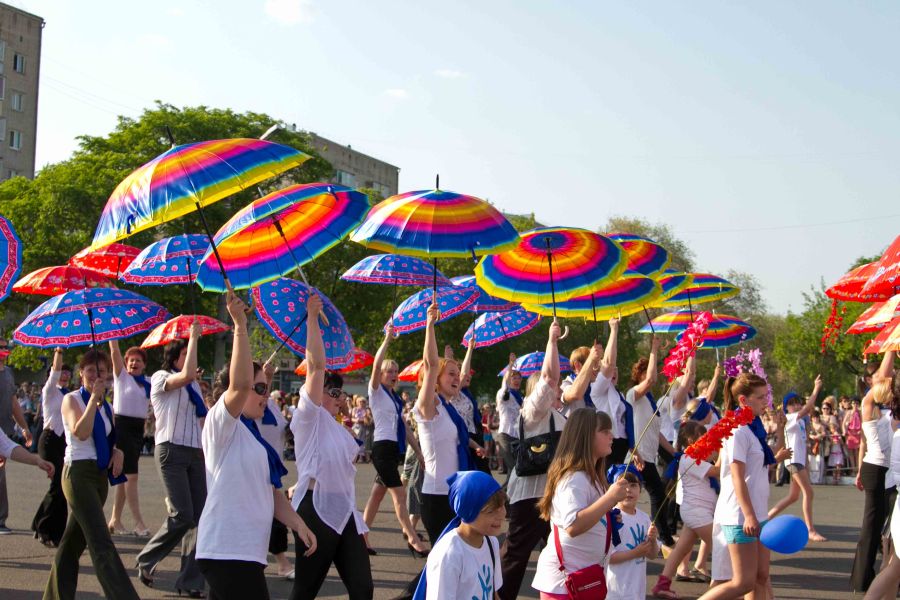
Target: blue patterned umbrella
{"type": "Point", "coordinates": [529, 364]}
{"type": "Point", "coordinates": [452, 300]}
{"type": "Point", "coordinates": [173, 260]}
{"type": "Point", "coordinates": [394, 269]}
{"type": "Point", "coordinates": [82, 317]}
{"type": "Point", "coordinates": [281, 308]}
{"type": "Point", "coordinates": [494, 327]}
{"type": "Point", "coordinates": [485, 302]}
{"type": "Point", "coordinates": [10, 257]}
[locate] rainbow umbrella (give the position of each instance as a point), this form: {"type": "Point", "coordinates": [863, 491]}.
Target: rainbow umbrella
{"type": "Point", "coordinates": [678, 321]}
{"type": "Point", "coordinates": [410, 315]}
{"type": "Point", "coordinates": [672, 282]}
{"type": "Point", "coordinates": [886, 279]}
{"type": "Point", "coordinates": [51, 281]}
{"type": "Point", "coordinates": [619, 298]}
{"type": "Point", "coordinates": [87, 316]}
{"type": "Point", "coordinates": [109, 260]}
{"type": "Point", "coordinates": [724, 331]}
{"type": "Point", "coordinates": [550, 264]}
{"type": "Point", "coordinates": [281, 232]}
{"type": "Point", "coordinates": [644, 255]}
{"type": "Point", "coordinates": [280, 306]}
{"type": "Point", "coordinates": [172, 260]}
{"type": "Point", "coordinates": [878, 315]}
{"type": "Point", "coordinates": [494, 327]}
{"type": "Point", "coordinates": [10, 257]}
{"type": "Point", "coordinates": [394, 269]}
{"type": "Point", "coordinates": [532, 363]}
{"type": "Point", "coordinates": [703, 288]}
{"type": "Point", "coordinates": [186, 178]}
{"type": "Point", "coordinates": [179, 328]}
{"type": "Point", "coordinates": [485, 302]}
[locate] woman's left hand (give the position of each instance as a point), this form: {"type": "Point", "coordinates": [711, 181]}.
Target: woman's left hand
{"type": "Point", "coordinates": [307, 537]}
{"type": "Point", "coordinates": [117, 462]}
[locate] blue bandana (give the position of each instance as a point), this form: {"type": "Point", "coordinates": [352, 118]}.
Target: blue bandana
{"type": "Point", "coordinates": [462, 433]}
{"type": "Point", "coordinates": [103, 444]}
{"type": "Point", "coordinates": [787, 398]}
{"type": "Point", "coordinates": [616, 471]}
{"type": "Point", "coordinates": [276, 467]}
{"type": "Point", "coordinates": [703, 409]}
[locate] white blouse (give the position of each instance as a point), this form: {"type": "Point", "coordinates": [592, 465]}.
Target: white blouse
{"type": "Point", "coordinates": [75, 448]}
{"type": "Point", "coordinates": [129, 397]}
{"type": "Point", "coordinates": [51, 404]}
{"type": "Point", "coordinates": [384, 413]}
{"type": "Point", "coordinates": [438, 439]}
{"type": "Point", "coordinates": [176, 416]}
{"type": "Point", "coordinates": [509, 412]}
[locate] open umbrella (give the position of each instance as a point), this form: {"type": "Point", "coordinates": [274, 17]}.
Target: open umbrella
{"type": "Point", "coordinates": [51, 281]}
{"type": "Point", "coordinates": [849, 288]}
{"type": "Point", "coordinates": [679, 320]}
{"type": "Point", "coordinates": [172, 260]}
{"type": "Point", "coordinates": [411, 372]}
{"type": "Point", "coordinates": [10, 257]}
{"type": "Point", "coordinates": [724, 331]}
{"type": "Point", "coordinates": [179, 328]}
{"type": "Point", "coordinates": [87, 316]}
{"type": "Point", "coordinates": [621, 297]}
{"type": "Point", "coordinates": [644, 255]}
{"type": "Point", "coordinates": [887, 339]}
{"type": "Point", "coordinates": [703, 288]}
{"type": "Point", "coordinates": [494, 327]}
{"type": "Point", "coordinates": [877, 316]}
{"type": "Point", "coordinates": [361, 360]}
{"type": "Point", "coordinates": [280, 306]}
{"type": "Point", "coordinates": [281, 232]}
{"type": "Point", "coordinates": [531, 363]}
{"type": "Point", "coordinates": [411, 314]}
{"type": "Point", "coordinates": [485, 302]}
{"type": "Point", "coordinates": [394, 269]}
{"type": "Point", "coordinates": [672, 282]}
{"type": "Point", "coordinates": [886, 279]}
{"type": "Point", "coordinates": [110, 260]}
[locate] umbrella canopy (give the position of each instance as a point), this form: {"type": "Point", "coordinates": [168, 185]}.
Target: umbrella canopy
{"type": "Point", "coordinates": [849, 288]}
{"type": "Point", "coordinates": [184, 177]}
{"type": "Point", "coordinates": [887, 339]}
{"type": "Point", "coordinates": [394, 269]}
{"type": "Point", "coordinates": [436, 224]}
{"type": "Point", "coordinates": [86, 316]}
{"type": "Point", "coordinates": [280, 306]}
{"type": "Point", "coordinates": [179, 328]}
{"type": "Point", "coordinates": [581, 261]}
{"type": "Point", "coordinates": [10, 257]}
{"type": "Point", "coordinates": [110, 260]}
{"type": "Point", "coordinates": [644, 255]}
{"type": "Point", "coordinates": [672, 282]}
{"type": "Point", "coordinates": [618, 298]}
{"type": "Point", "coordinates": [678, 321]}
{"type": "Point", "coordinates": [281, 232]}
{"type": "Point", "coordinates": [494, 327]}
{"type": "Point", "coordinates": [410, 315]}
{"type": "Point", "coordinates": [361, 360]}
{"type": "Point", "coordinates": [485, 302]}
{"type": "Point", "coordinates": [724, 331]}
{"type": "Point", "coordinates": [886, 279]}
{"type": "Point", "coordinates": [51, 281]}
{"type": "Point", "coordinates": [703, 288]}
{"type": "Point", "coordinates": [877, 316]}
{"type": "Point", "coordinates": [531, 363]}
{"type": "Point", "coordinates": [411, 372]}
{"type": "Point", "coordinates": [172, 260]}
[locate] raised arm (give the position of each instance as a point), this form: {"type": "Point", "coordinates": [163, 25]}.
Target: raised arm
{"type": "Point", "coordinates": [240, 371]}
{"type": "Point", "coordinates": [315, 351]}
{"type": "Point", "coordinates": [550, 368]}
{"type": "Point", "coordinates": [466, 367]}
{"type": "Point", "coordinates": [650, 377]}
{"type": "Point", "coordinates": [886, 370]}
{"type": "Point", "coordinates": [375, 379]}
{"type": "Point", "coordinates": [118, 363]}
{"type": "Point", "coordinates": [608, 366]}
{"type": "Point", "coordinates": [585, 375]}
{"type": "Point", "coordinates": [811, 399]}
{"type": "Point", "coordinates": [686, 383]}
{"type": "Point", "coordinates": [430, 362]}
{"type": "Point", "coordinates": [713, 385]}
{"type": "Point", "coordinates": [188, 371]}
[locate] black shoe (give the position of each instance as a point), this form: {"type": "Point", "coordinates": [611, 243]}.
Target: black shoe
{"type": "Point", "coordinates": [415, 552]}
{"type": "Point", "coordinates": [372, 551]}
{"type": "Point", "coordinates": [146, 576]}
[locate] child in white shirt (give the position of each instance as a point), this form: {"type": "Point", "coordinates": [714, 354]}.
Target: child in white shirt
{"type": "Point", "coordinates": [626, 577]}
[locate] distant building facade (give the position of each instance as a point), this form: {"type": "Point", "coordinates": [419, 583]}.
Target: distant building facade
{"type": "Point", "coordinates": [20, 62]}
{"type": "Point", "coordinates": [355, 169]}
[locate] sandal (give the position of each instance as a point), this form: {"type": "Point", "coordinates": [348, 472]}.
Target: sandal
{"type": "Point", "coordinates": [663, 589]}
{"type": "Point", "coordinates": [700, 576]}
{"type": "Point", "coordinates": [686, 578]}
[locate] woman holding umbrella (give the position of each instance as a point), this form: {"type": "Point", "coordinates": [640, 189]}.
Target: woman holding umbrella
{"type": "Point", "coordinates": [179, 410]}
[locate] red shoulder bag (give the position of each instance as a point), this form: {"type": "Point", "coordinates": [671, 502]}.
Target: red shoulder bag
{"type": "Point", "coordinates": [588, 583]}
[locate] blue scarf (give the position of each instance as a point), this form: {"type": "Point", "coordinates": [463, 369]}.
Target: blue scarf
{"type": "Point", "coordinates": [276, 467]}
{"type": "Point", "coordinates": [759, 430]}
{"type": "Point", "coordinates": [672, 473]}
{"type": "Point", "coordinates": [462, 433]}
{"type": "Point", "coordinates": [142, 379]}
{"type": "Point", "coordinates": [629, 420]}
{"type": "Point", "coordinates": [103, 444]}
{"type": "Point", "coordinates": [652, 401]}
{"type": "Point", "coordinates": [401, 426]}
{"type": "Point", "coordinates": [197, 399]}
{"type": "Point", "coordinates": [476, 414]}
{"type": "Point", "coordinates": [469, 492]}
{"type": "Point", "coordinates": [63, 390]}
{"type": "Point", "coordinates": [516, 396]}
{"type": "Point", "coordinates": [587, 393]}
{"type": "Point", "coordinates": [268, 417]}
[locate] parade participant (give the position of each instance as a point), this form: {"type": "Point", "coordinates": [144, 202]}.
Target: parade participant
{"type": "Point", "coordinates": [392, 435]}
{"type": "Point", "coordinates": [611, 401]}
{"type": "Point", "coordinates": [325, 494]}
{"type": "Point", "coordinates": [676, 402]}
{"type": "Point", "coordinates": [243, 478]}
{"type": "Point", "coordinates": [467, 407]}
{"type": "Point", "coordinates": [626, 577]}
{"type": "Point", "coordinates": [11, 414]}
{"type": "Point", "coordinates": [92, 462]}
{"type": "Point", "coordinates": [131, 401]}
{"type": "Point", "coordinates": [576, 387]}
{"type": "Point", "coordinates": [509, 403]}
{"type": "Point", "coordinates": [795, 435]}
{"type": "Point", "coordinates": [179, 410]}
{"type": "Point", "coordinates": [50, 519]}
{"type": "Point", "coordinates": [526, 528]}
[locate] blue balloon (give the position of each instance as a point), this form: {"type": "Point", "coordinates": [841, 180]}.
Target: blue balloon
{"type": "Point", "coordinates": [786, 534]}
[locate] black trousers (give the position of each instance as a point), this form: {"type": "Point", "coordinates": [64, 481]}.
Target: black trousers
{"type": "Point", "coordinates": [619, 452]}
{"type": "Point", "coordinates": [346, 550]}
{"type": "Point", "coordinates": [436, 514]}
{"type": "Point", "coordinates": [481, 464]}
{"type": "Point", "coordinates": [234, 579]}
{"type": "Point", "coordinates": [50, 519]}
{"type": "Point", "coordinates": [657, 490]}
{"type": "Point", "coordinates": [526, 529]}
{"type": "Point", "coordinates": [874, 513]}
{"type": "Point", "coordinates": [278, 539]}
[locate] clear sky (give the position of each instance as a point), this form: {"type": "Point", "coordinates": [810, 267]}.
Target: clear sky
{"type": "Point", "coordinates": [766, 134]}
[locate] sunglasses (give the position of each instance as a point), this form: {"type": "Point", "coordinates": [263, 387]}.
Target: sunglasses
{"type": "Point", "coordinates": [335, 392]}
{"type": "Point", "coordinates": [260, 388]}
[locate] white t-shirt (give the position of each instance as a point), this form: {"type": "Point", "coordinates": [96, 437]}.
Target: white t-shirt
{"type": "Point", "coordinates": [457, 570]}
{"type": "Point", "coordinates": [744, 447]}
{"type": "Point", "coordinates": [129, 397]}
{"type": "Point", "coordinates": [384, 412]}
{"type": "Point", "coordinates": [693, 489]}
{"type": "Point", "coordinates": [795, 438]}
{"type": "Point", "coordinates": [274, 434]}
{"type": "Point", "coordinates": [509, 412]}
{"type": "Point", "coordinates": [628, 580]}
{"type": "Point", "coordinates": [643, 412]}
{"type": "Point", "coordinates": [607, 399]}
{"type": "Point", "coordinates": [573, 494]}
{"type": "Point", "coordinates": [438, 439]}
{"type": "Point", "coordinates": [176, 415]}
{"type": "Point", "coordinates": [237, 517]}
{"type": "Point", "coordinates": [51, 403]}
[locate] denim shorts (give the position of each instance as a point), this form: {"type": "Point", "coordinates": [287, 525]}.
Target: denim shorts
{"type": "Point", "coordinates": [734, 534]}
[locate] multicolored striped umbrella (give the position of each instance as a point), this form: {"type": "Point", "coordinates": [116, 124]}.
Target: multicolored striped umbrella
{"type": "Point", "coordinates": [679, 320]}
{"type": "Point", "coordinates": [87, 316]}
{"type": "Point", "coordinates": [877, 316]}
{"type": "Point", "coordinates": [170, 261]}
{"type": "Point", "coordinates": [485, 302]}
{"type": "Point", "coordinates": [51, 281]}
{"type": "Point", "coordinates": [410, 315]}
{"type": "Point", "coordinates": [280, 306]}
{"type": "Point", "coordinates": [619, 298]}
{"type": "Point", "coordinates": [110, 260]}
{"type": "Point", "coordinates": [179, 328]}
{"type": "Point", "coordinates": [361, 360]}
{"type": "Point", "coordinates": [703, 288]}
{"type": "Point", "coordinates": [551, 264]}
{"type": "Point", "coordinates": [494, 327]}
{"type": "Point", "coordinates": [394, 269]}
{"type": "Point", "coordinates": [532, 363]}
{"type": "Point", "coordinates": [188, 177]}
{"type": "Point", "coordinates": [10, 257]}
{"type": "Point", "coordinates": [724, 331]}
{"type": "Point", "coordinates": [281, 232]}
{"type": "Point", "coordinates": [849, 288]}
{"type": "Point", "coordinates": [645, 256]}
{"type": "Point", "coordinates": [672, 282]}
{"type": "Point", "coordinates": [436, 224]}
{"type": "Point", "coordinates": [886, 279]}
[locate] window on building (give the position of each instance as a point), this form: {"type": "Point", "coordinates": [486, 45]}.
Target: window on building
{"type": "Point", "coordinates": [2, 51]}
{"type": "Point", "coordinates": [2, 88]}
{"type": "Point", "coordinates": [2, 128]}
{"type": "Point", "coordinates": [15, 139]}
{"type": "Point", "coordinates": [13, 173]}
{"type": "Point", "coordinates": [18, 63]}
{"type": "Point", "coordinates": [345, 178]}
{"type": "Point", "coordinates": [17, 101]}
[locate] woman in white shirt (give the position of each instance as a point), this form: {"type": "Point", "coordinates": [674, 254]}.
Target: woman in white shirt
{"type": "Point", "coordinates": [50, 519]}
{"type": "Point", "coordinates": [509, 403]}
{"type": "Point", "coordinates": [243, 475]}
{"type": "Point", "coordinates": [577, 501]}
{"type": "Point", "coordinates": [131, 401]}
{"type": "Point", "coordinates": [179, 411]}
{"type": "Point", "coordinates": [325, 494]}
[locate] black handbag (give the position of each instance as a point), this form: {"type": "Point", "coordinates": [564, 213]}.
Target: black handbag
{"type": "Point", "coordinates": [534, 454]}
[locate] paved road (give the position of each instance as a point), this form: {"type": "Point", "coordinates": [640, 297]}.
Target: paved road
{"type": "Point", "coordinates": [818, 572]}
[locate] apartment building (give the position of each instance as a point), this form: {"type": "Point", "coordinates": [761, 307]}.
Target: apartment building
{"type": "Point", "coordinates": [20, 62]}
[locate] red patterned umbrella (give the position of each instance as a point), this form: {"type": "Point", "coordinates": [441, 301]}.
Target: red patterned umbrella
{"type": "Point", "coordinates": [361, 360]}
{"type": "Point", "coordinates": [51, 281]}
{"type": "Point", "coordinates": [877, 316]}
{"type": "Point", "coordinates": [411, 373]}
{"type": "Point", "coordinates": [110, 260]}
{"type": "Point", "coordinates": [886, 279]}
{"type": "Point", "coordinates": [888, 339]}
{"type": "Point", "coordinates": [849, 288]}
{"type": "Point", "coordinates": [179, 328]}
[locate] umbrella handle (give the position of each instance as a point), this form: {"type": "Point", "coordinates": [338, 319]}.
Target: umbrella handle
{"type": "Point", "coordinates": [564, 334]}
